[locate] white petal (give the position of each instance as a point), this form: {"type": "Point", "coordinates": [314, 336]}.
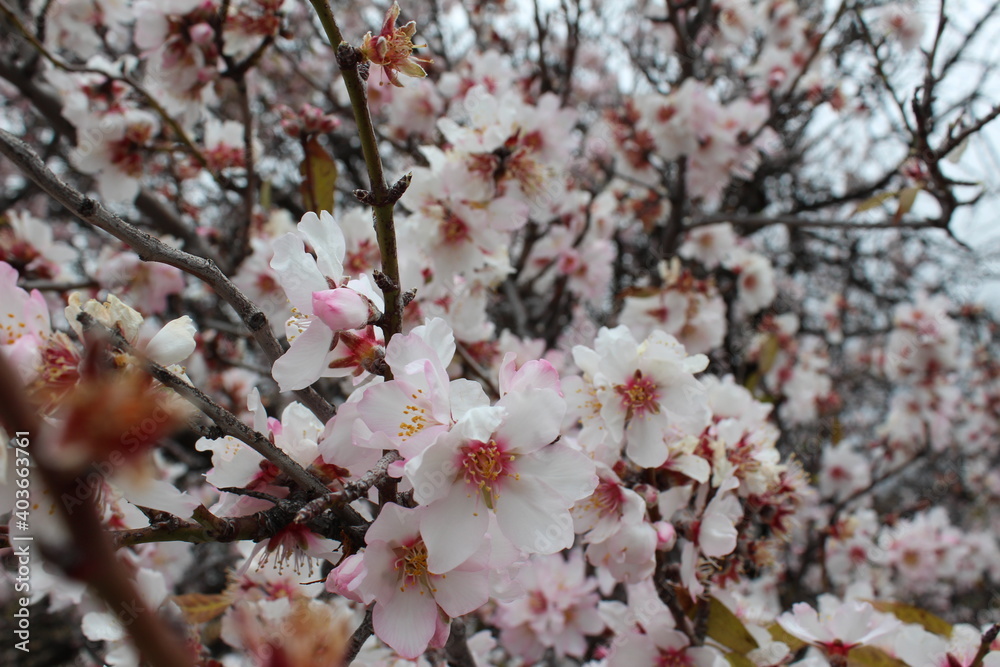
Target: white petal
{"type": "Point", "coordinates": [158, 494]}
{"type": "Point", "coordinates": [433, 472]}
{"type": "Point", "coordinates": [462, 592]}
{"type": "Point", "coordinates": [173, 343]}
{"type": "Point", "coordinates": [394, 524]}
{"type": "Point", "coordinates": [453, 529]}
{"type": "Point", "coordinates": [533, 419]}
{"type": "Point", "coordinates": [326, 238]}
{"type": "Point", "coordinates": [100, 626]}
{"type": "Point", "coordinates": [570, 473]}
{"type": "Point", "coordinates": [302, 363]}
{"type": "Point", "coordinates": [533, 516]}
{"type": "Point", "coordinates": [406, 623]}
{"type": "Point", "coordinates": [436, 333]}
{"type": "Point", "coordinates": [297, 272]}
{"type": "Point", "coordinates": [466, 395]}
{"type": "Point", "coordinates": [717, 536]}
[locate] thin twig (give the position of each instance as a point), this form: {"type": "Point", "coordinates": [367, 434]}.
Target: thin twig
{"type": "Point", "coordinates": [350, 492]}
{"type": "Point", "coordinates": [761, 221]}
{"type": "Point", "coordinates": [986, 641]}
{"type": "Point", "coordinates": [358, 639]}
{"type": "Point", "coordinates": [381, 197]}
{"type": "Point", "coordinates": [382, 200]}
{"type": "Point", "coordinates": [225, 420]}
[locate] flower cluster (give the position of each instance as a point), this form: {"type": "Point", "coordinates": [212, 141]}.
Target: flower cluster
{"type": "Point", "coordinates": [607, 336]}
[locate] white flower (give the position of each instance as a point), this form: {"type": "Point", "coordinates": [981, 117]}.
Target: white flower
{"type": "Point", "coordinates": [502, 459]}
{"type": "Point", "coordinates": [647, 392]}
{"type": "Point", "coordinates": [312, 352]}
{"type": "Point", "coordinates": [840, 628]}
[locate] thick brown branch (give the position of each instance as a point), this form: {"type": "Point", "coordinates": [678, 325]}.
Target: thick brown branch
{"type": "Point", "coordinates": [457, 648]}
{"type": "Point", "coordinates": [350, 492]}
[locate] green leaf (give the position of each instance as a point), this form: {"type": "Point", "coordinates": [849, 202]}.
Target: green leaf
{"type": "Point", "coordinates": [869, 656]}
{"type": "Point", "coordinates": [768, 354]}
{"type": "Point", "coordinates": [200, 607]}
{"type": "Point", "coordinates": [836, 431]}
{"type": "Point", "coordinates": [875, 201]}
{"type": "Point", "coordinates": [319, 176]}
{"type": "Point", "coordinates": [906, 198]}
{"type": "Point", "coordinates": [265, 195]}
{"type": "Point", "coordinates": [910, 614]}
{"type": "Point", "coordinates": [725, 628]}
{"type": "Point", "coordinates": [738, 660]}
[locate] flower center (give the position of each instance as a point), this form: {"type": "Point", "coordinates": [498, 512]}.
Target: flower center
{"type": "Point", "coordinates": [607, 498]}
{"type": "Point", "coordinates": [289, 546]}
{"type": "Point", "coordinates": [484, 464]}
{"type": "Point", "coordinates": [454, 230]}
{"type": "Point", "coordinates": [411, 566]}
{"type": "Point", "coordinates": [673, 658]}
{"type": "Point", "coordinates": [639, 395]}
{"type": "Point", "coordinates": [414, 419]}
{"type": "Point", "coordinates": [59, 371]}
{"type": "Point", "coordinates": [296, 324]}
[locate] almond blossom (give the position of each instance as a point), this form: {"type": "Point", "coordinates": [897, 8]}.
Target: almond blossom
{"type": "Point", "coordinates": [24, 322]}
{"type": "Point", "coordinates": [315, 349]}
{"type": "Point", "coordinates": [502, 459]}
{"type": "Point", "coordinates": [841, 627]}
{"type": "Point", "coordinates": [420, 402]}
{"type": "Point", "coordinates": [28, 243]}
{"type": "Point", "coordinates": [414, 600]}
{"type": "Point", "coordinates": [919, 648]}
{"type": "Point", "coordinates": [558, 609]}
{"type": "Point", "coordinates": [646, 393]}
{"type": "Point", "coordinates": [393, 48]}
{"type": "Point", "coordinates": [115, 157]}
{"type": "Point", "coordinates": [648, 634]}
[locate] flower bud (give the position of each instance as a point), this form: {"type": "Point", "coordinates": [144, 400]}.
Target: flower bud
{"type": "Point", "coordinates": [346, 577]}
{"type": "Point", "coordinates": [201, 34]}
{"type": "Point", "coordinates": [666, 535]}
{"type": "Point", "coordinates": [343, 308]}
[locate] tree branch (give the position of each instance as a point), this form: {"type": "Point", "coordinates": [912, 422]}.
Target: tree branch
{"type": "Point", "coordinates": [151, 249]}
{"type": "Point", "coordinates": [358, 639]}
{"type": "Point", "coordinates": [382, 198]}
{"type": "Point", "coordinates": [225, 420]}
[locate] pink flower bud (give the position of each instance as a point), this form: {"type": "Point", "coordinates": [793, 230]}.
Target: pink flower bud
{"type": "Point", "coordinates": [342, 308]}
{"type": "Point", "coordinates": [649, 493]}
{"type": "Point", "coordinates": [666, 535]}
{"type": "Point", "coordinates": [201, 34]}
{"type": "Point", "coordinates": [346, 577]}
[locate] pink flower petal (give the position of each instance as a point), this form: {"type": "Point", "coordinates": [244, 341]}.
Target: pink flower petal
{"type": "Point", "coordinates": [407, 622]}
{"type": "Point", "coordinates": [341, 308]}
